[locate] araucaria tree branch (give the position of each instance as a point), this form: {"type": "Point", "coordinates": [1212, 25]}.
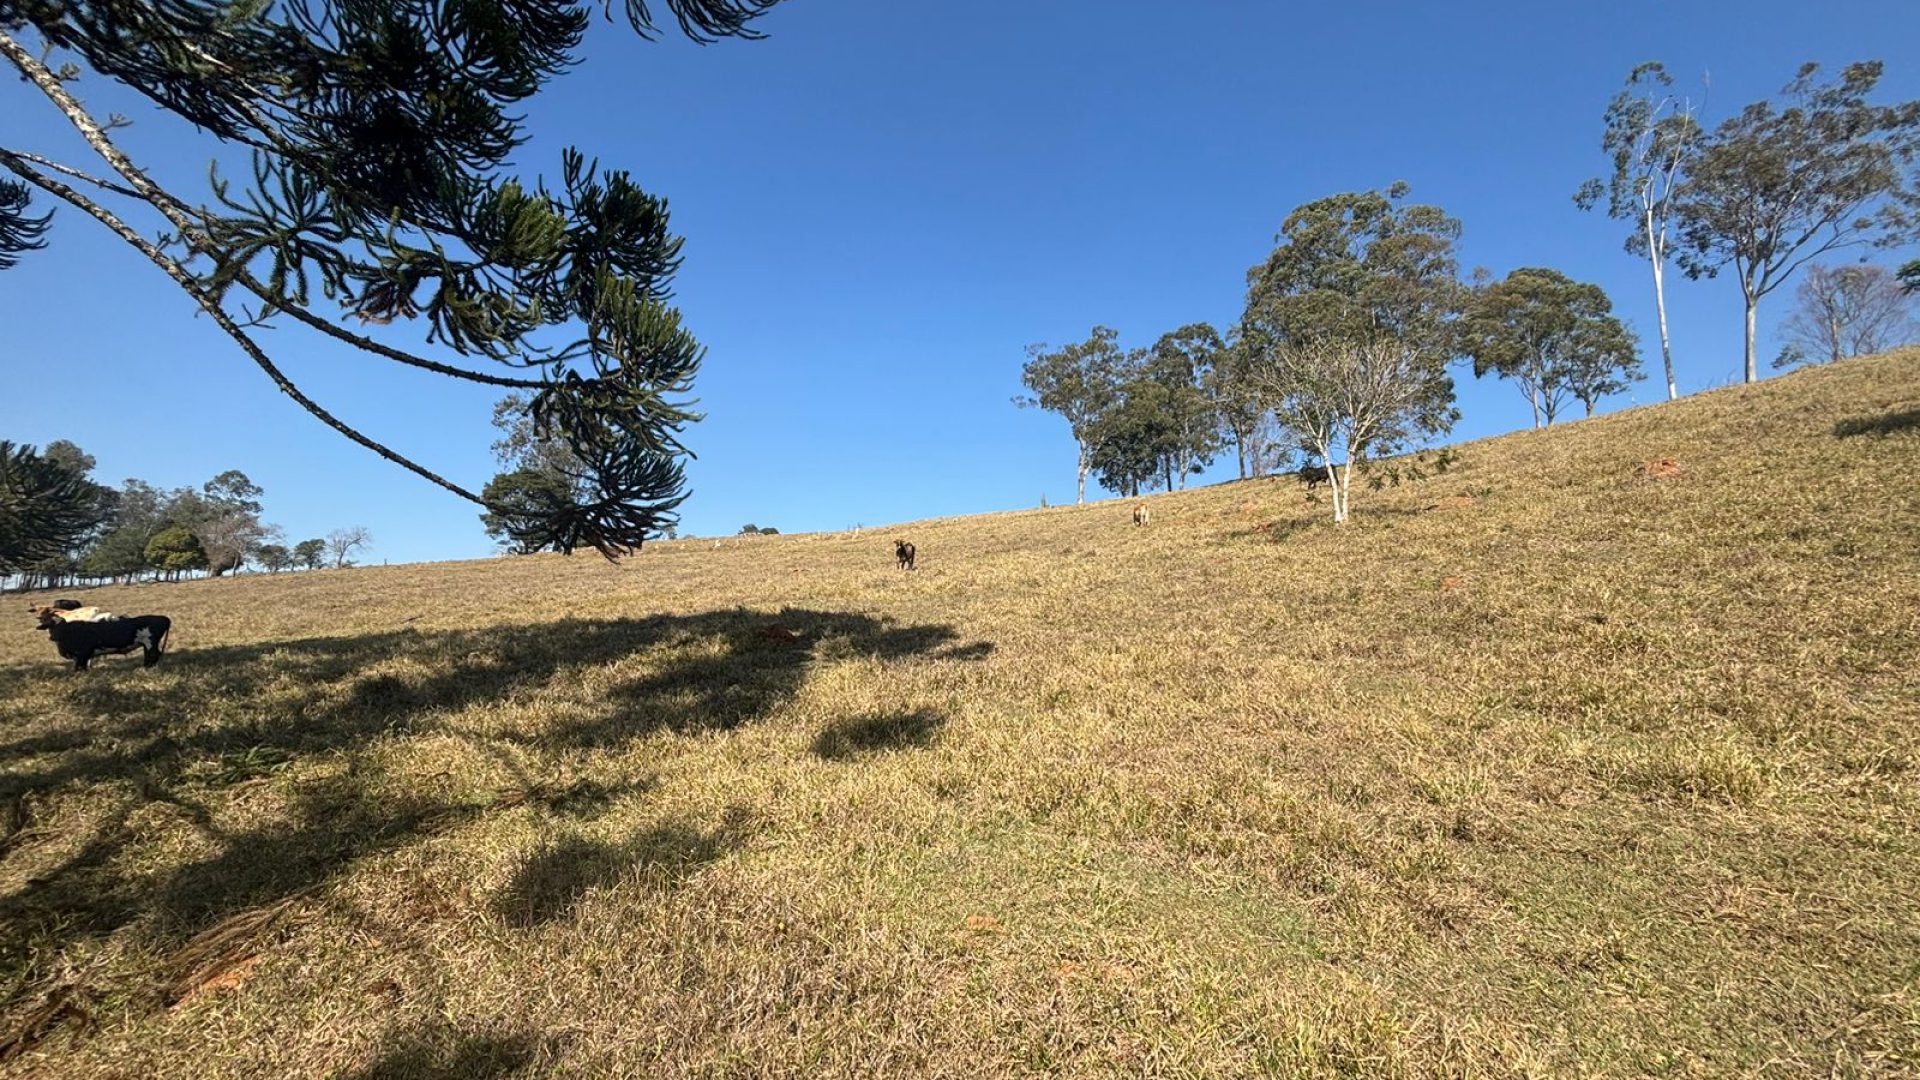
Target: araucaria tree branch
{"type": "Point", "coordinates": [378, 138]}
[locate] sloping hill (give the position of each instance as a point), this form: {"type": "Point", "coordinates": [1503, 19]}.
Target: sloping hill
{"type": "Point", "coordinates": [1585, 772]}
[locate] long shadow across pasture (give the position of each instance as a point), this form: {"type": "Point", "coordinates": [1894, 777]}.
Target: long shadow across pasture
{"type": "Point", "coordinates": [215, 719]}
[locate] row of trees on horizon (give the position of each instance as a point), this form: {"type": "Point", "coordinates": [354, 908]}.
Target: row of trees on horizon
{"type": "Point", "coordinates": [59, 527]}
{"type": "Point", "coordinates": [1353, 322]}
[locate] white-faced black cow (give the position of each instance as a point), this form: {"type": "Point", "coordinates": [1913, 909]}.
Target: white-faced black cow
{"type": "Point", "coordinates": [80, 642]}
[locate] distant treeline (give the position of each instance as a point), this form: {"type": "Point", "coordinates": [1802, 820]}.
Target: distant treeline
{"type": "Point", "coordinates": [60, 528]}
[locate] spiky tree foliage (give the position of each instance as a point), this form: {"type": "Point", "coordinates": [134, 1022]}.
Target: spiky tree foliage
{"type": "Point", "coordinates": [19, 231]}
{"type": "Point", "coordinates": [377, 135]}
{"type": "Point", "coordinates": [46, 506]}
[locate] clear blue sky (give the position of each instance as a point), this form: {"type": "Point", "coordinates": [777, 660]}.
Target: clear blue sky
{"type": "Point", "coordinates": [884, 202]}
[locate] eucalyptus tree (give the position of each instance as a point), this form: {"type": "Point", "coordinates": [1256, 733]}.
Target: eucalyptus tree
{"type": "Point", "coordinates": [377, 139]}
{"type": "Point", "coordinates": [1842, 311]}
{"type": "Point", "coordinates": [1361, 399]}
{"type": "Point", "coordinates": [1181, 362]}
{"type": "Point", "coordinates": [1556, 338]}
{"type": "Point", "coordinates": [1772, 189]}
{"type": "Point", "coordinates": [1650, 133]}
{"type": "Point", "coordinates": [1350, 325]}
{"type": "Point", "coordinates": [1358, 266]}
{"type": "Point", "coordinates": [1135, 436]}
{"type": "Point", "coordinates": [1242, 418]}
{"type": "Point", "coordinates": [1080, 382]}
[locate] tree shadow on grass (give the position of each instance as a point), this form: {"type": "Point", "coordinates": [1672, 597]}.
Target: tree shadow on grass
{"type": "Point", "coordinates": [551, 882]}
{"type": "Point", "coordinates": [446, 1054]}
{"type": "Point", "coordinates": [1885, 424]}
{"type": "Point", "coordinates": [866, 736]}
{"type": "Point", "coordinates": [220, 718]}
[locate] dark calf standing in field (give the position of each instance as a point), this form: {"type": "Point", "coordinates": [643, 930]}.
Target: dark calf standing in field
{"type": "Point", "coordinates": [1313, 474]}
{"type": "Point", "coordinates": [903, 554]}
{"type": "Point", "coordinates": [80, 642]}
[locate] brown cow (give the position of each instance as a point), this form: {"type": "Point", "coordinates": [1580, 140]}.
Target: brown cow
{"type": "Point", "coordinates": [1141, 515]}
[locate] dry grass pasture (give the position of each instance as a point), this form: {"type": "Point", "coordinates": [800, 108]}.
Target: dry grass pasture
{"type": "Point", "coordinates": [1551, 765]}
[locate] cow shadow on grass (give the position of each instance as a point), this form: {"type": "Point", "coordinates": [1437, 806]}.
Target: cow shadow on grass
{"type": "Point", "coordinates": [183, 740]}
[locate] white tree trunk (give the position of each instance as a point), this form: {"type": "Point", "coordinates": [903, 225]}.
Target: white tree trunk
{"type": "Point", "coordinates": [1080, 499]}
{"type": "Point", "coordinates": [1656, 254]}
{"type": "Point", "coordinates": [1753, 307]}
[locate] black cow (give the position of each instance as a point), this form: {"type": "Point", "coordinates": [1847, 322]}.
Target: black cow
{"type": "Point", "coordinates": [903, 554]}
{"type": "Point", "coordinates": [1312, 474]}
{"type": "Point", "coordinates": [80, 642]}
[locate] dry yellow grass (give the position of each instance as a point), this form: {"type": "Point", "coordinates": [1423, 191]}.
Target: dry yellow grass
{"type": "Point", "coordinates": [1586, 772]}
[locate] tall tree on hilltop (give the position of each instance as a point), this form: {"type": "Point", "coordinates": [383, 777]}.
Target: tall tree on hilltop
{"type": "Point", "coordinates": [1770, 190]}
{"type": "Point", "coordinates": [1134, 435]}
{"type": "Point", "coordinates": [1843, 311]}
{"type": "Point", "coordinates": [378, 134]}
{"type": "Point", "coordinates": [1356, 267]}
{"type": "Point", "coordinates": [225, 518]}
{"type": "Point", "coordinates": [310, 554]}
{"type": "Point", "coordinates": [342, 543]}
{"type": "Point", "coordinates": [121, 550]}
{"type": "Point", "coordinates": [1080, 382]}
{"type": "Point", "coordinates": [1243, 419]}
{"type": "Point", "coordinates": [1181, 362]}
{"type": "Point", "coordinates": [1649, 136]}
{"type": "Point", "coordinates": [1349, 328]}
{"type": "Point", "coordinates": [1556, 338]}
{"type": "Point", "coordinates": [542, 476]}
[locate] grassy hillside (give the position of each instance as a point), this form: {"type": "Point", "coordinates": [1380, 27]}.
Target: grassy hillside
{"type": "Point", "coordinates": [1543, 767]}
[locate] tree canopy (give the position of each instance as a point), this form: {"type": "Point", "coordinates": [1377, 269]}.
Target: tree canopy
{"type": "Point", "coordinates": [1079, 382]}
{"type": "Point", "coordinates": [1555, 337]}
{"type": "Point", "coordinates": [378, 137]}
{"type": "Point", "coordinates": [1650, 136]}
{"type": "Point", "coordinates": [1773, 188]}
{"type": "Point", "coordinates": [1357, 266]}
